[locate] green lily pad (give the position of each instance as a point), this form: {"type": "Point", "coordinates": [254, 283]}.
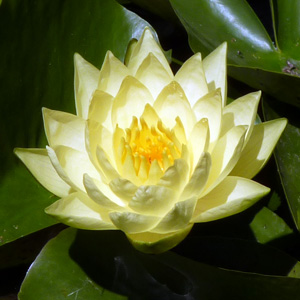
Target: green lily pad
{"type": "Point", "coordinates": [38, 41]}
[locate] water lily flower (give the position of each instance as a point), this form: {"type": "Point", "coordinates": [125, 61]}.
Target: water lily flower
{"type": "Point", "coordinates": [151, 153]}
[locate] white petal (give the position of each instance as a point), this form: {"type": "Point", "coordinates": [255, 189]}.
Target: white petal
{"type": "Point", "coordinates": [144, 46]}
{"type": "Point", "coordinates": [123, 188]}
{"type": "Point", "coordinates": [153, 75]}
{"type": "Point", "coordinates": [257, 151]}
{"type": "Point", "coordinates": [112, 74]}
{"type": "Point", "coordinates": [39, 164]}
{"type": "Point", "coordinates": [215, 68]}
{"type": "Point", "coordinates": [192, 79]}
{"type": "Point", "coordinates": [130, 102]}
{"type": "Point", "coordinates": [64, 129]}
{"type": "Point", "coordinates": [231, 196]}
{"type": "Point", "coordinates": [86, 80]}
{"type": "Point", "coordinates": [178, 218]}
{"type": "Point", "coordinates": [79, 211]}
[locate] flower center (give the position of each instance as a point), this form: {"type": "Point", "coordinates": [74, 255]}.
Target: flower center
{"type": "Point", "coordinates": [151, 144]}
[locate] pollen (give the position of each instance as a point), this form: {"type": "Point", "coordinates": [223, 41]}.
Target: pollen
{"type": "Point", "coordinates": [149, 144]}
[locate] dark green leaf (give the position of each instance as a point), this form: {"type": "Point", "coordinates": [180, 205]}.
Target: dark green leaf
{"type": "Point", "coordinates": [287, 154]}
{"type": "Point", "coordinates": [268, 226]}
{"type": "Point", "coordinates": [38, 41]}
{"type": "Point", "coordinates": [54, 275]}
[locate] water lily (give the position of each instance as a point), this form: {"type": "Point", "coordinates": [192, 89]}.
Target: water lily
{"type": "Point", "coordinates": [149, 152]}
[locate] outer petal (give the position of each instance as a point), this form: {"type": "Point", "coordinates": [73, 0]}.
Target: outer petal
{"type": "Point", "coordinates": [133, 223]}
{"type": "Point", "coordinates": [216, 70]}
{"type": "Point", "coordinates": [153, 75]}
{"type": "Point", "coordinates": [86, 79]}
{"type": "Point", "coordinates": [242, 111]}
{"type": "Point", "coordinates": [191, 77]}
{"type": "Point", "coordinates": [225, 155]}
{"type": "Point", "coordinates": [153, 200]}
{"type": "Point", "coordinates": [171, 103]}
{"type": "Point", "coordinates": [64, 129]}
{"type": "Point", "coordinates": [178, 218]}
{"type": "Point", "coordinates": [100, 108]}
{"type": "Point", "coordinates": [210, 107]}
{"type": "Point", "coordinates": [130, 101]}
{"type": "Point", "coordinates": [123, 188]}
{"type": "Point", "coordinates": [231, 196]}
{"type": "Point", "coordinates": [71, 164]}
{"type": "Point", "coordinates": [39, 164]}
{"type": "Point", "coordinates": [79, 211]}
{"type": "Point", "coordinates": [259, 148]}
{"type": "Point", "coordinates": [144, 46]}
{"type": "Point", "coordinates": [112, 74]}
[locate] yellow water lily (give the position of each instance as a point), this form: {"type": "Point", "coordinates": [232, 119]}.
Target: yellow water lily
{"type": "Point", "coordinates": [149, 152]}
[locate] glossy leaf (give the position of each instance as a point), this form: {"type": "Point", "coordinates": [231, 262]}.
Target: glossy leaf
{"type": "Point", "coordinates": [287, 154]}
{"type": "Point", "coordinates": [54, 275]}
{"type": "Point", "coordinates": [38, 41]}
{"type": "Point", "coordinates": [268, 226]}
{"type": "Point", "coordinates": [287, 26]}
{"type": "Point", "coordinates": [252, 57]}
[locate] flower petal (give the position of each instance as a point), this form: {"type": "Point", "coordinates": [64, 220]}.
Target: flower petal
{"type": "Point", "coordinates": [192, 79]}
{"type": "Point", "coordinates": [39, 164]}
{"type": "Point", "coordinates": [129, 102]}
{"type": "Point", "coordinates": [64, 129]}
{"type": "Point", "coordinates": [144, 46]}
{"type": "Point", "coordinates": [199, 178]}
{"type": "Point", "coordinates": [71, 164]}
{"type": "Point", "coordinates": [100, 108]}
{"type": "Point", "coordinates": [178, 218]}
{"type": "Point", "coordinates": [154, 200]}
{"type": "Point", "coordinates": [210, 107]}
{"type": "Point", "coordinates": [241, 111]}
{"type": "Point", "coordinates": [225, 155]}
{"type": "Point", "coordinates": [153, 75]}
{"type": "Point", "coordinates": [112, 74]}
{"type": "Point", "coordinates": [86, 80]}
{"type": "Point", "coordinates": [133, 223]}
{"type": "Point", "coordinates": [79, 211]}
{"type": "Point", "coordinates": [231, 196]}
{"type": "Point", "coordinates": [171, 103]}
{"type": "Point", "coordinates": [216, 70]}
{"type": "Point", "coordinates": [123, 188]}
{"type": "Point", "coordinates": [101, 194]}
{"type": "Point", "coordinates": [257, 151]}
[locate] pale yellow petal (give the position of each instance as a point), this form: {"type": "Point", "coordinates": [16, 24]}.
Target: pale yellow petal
{"type": "Point", "coordinates": [123, 188]}
{"type": "Point", "coordinates": [73, 163]}
{"type": "Point", "coordinates": [129, 102]}
{"type": "Point", "coordinates": [39, 164]}
{"type": "Point", "coordinates": [155, 173]}
{"type": "Point", "coordinates": [231, 196]}
{"type": "Point", "coordinates": [153, 200]}
{"type": "Point", "coordinates": [153, 75]}
{"type": "Point", "coordinates": [176, 176]}
{"type": "Point", "coordinates": [210, 107]}
{"type": "Point", "coordinates": [225, 155]}
{"type": "Point", "coordinates": [86, 80]}
{"type": "Point", "coordinates": [64, 129]}
{"type": "Point", "coordinates": [112, 74]}
{"type": "Point", "coordinates": [241, 111]}
{"type": "Point", "coordinates": [101, 194]}
{"type": "Point", "coordinates": [199, 140]}
{"type": "Point", "coordinates": [171, 103]}
{"type": "Point", "coordinates": [133, 223]}
{"type": "Point", "coordinates": [79, 211]}
{"type": "Point", "coordinates": [257, 151]}
{"type": "Point", "coordinates": [150, 116]}
{"type": "Point", "coordinates": [192, 79]}
{"type": "Point", "coordinates": [215, 69]}
{"type": "Point", "coordinates": [178, 218]}
{"type": "Point", "coordinates": [100, 108]}
{"type": "Point", "coordinates": [105, 164]}
{"type": "Point", "coordinates": [144, 46]}
{"type": "Point", "coordinates": [198, 179]}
